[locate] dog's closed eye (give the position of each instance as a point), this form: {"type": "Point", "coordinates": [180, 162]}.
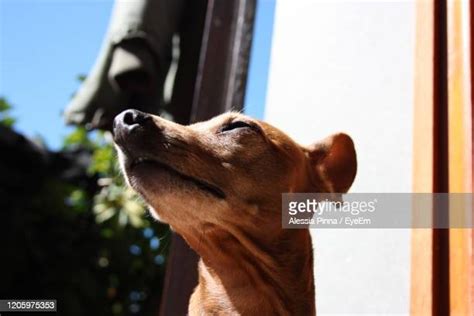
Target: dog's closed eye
{"type": "Point", "coordinates": [236, 125]}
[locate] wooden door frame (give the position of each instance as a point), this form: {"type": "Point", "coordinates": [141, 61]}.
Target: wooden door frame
{"type": "Point", "coordinates": [210, 82]}
{"type": "Point", "coordinates": [460, 152]}
{"type": "Point", "coordinates": [442, 260]}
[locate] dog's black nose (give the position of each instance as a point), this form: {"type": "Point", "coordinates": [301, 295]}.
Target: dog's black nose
{"type": "Point", "coordinates": [129, 119]}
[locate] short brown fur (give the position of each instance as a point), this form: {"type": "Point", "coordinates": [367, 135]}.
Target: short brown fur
{"type": "Point", "coordinates": [249, 265]}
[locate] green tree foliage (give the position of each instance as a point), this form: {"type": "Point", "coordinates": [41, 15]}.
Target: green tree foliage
{"type": "Point", "coordinates": [5, 118]}
{"type": "Point", "coordinates": [91, 247]}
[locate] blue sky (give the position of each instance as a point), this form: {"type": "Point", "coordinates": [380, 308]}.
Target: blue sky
{"type": "Point", "coordinates": [44, 45]}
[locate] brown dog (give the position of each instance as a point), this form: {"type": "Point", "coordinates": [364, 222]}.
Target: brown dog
{"type": "Point", "coordinates": [219, 183]}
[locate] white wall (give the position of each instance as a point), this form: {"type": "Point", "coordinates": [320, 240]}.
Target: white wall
{"type": "Point", "coordinates": [348, 66]}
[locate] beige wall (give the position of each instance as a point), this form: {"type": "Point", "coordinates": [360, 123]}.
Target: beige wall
{"type": "Point", "coordinates": [348, 66]}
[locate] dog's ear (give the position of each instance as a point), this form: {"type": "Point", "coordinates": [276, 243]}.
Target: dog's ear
{"type": "Point", "coordinates": [334, 160]}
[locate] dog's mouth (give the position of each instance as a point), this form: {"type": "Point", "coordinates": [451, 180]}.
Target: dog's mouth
{"type": "Point", "coordinates": [201, 184]}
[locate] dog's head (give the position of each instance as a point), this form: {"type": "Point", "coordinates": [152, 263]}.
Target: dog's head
{"type": "Point", "coordinates": [225, 171]}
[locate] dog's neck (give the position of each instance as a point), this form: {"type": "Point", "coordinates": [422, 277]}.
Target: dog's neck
{"type": "Point", "coordinates": [240, 276]}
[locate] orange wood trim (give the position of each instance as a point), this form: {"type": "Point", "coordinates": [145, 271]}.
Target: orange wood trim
{"type": "Point", "coordinates": [430, 247]}
{"type": "Point", "coordinates": [460, 154]}
{"type": "Point", "coordinates": [459, 102]}
{"type": "Point", "coordinates": [471, 76]}
{"type": "Point", "coordinates": [423, 164]}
